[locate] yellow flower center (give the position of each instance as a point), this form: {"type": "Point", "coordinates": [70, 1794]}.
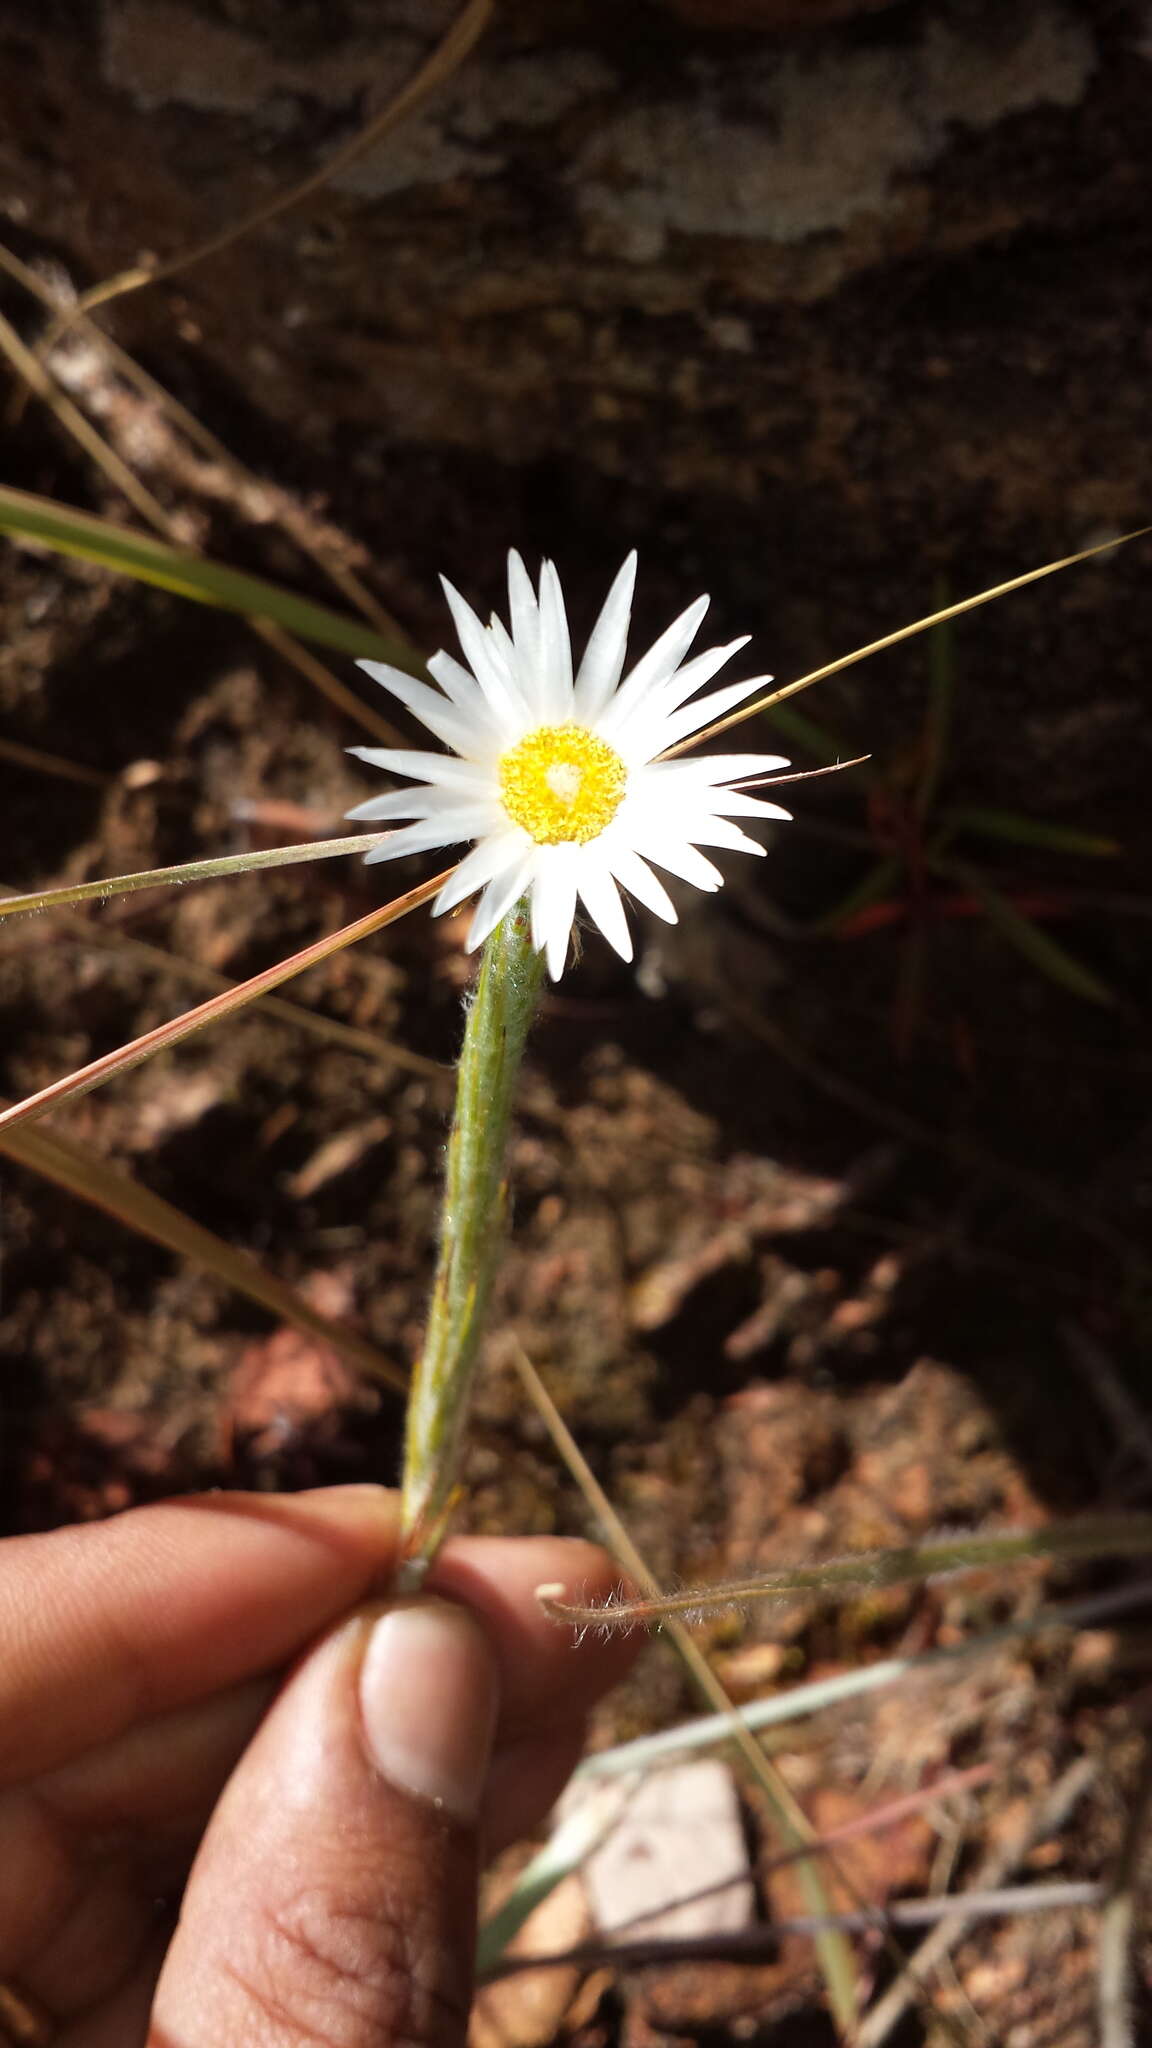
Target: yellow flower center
{"type": "Point", "coordinates": [562, 783]}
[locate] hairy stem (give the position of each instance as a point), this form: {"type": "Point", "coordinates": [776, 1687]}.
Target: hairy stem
{"type": "Point", "coordinates": [471, 1232]}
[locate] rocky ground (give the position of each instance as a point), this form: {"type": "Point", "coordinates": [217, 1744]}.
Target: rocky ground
{"type": "Point", "coordinates": [830, 1229]}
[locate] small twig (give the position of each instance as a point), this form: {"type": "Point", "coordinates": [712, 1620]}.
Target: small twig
{"type": "Point", "coordinates": [949, 1915]}
{"type": "Point", "coordinates": [149, 388]}
{"type": "Point", "coordinates": [836, 1965]}
{"type": "Point", "coordinates": [52, 764]}
{"type": "Point", "coordinates": [1047, 1819]}
{"type": "Point", "coordinates": [30, 368]}
{"type": "Point", "coordinates": [448, 55]}
{"type": "Point", "coordinates": [1114, 1946]}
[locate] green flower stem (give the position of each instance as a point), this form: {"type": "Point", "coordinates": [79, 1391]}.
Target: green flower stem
{"type": "Point", "coordinates": [471, 1233]}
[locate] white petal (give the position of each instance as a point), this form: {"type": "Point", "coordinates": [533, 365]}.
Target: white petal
{"type": "Point", "coordinates": [673, 853]}
{"type": "Point", "coordinates": [719, 767]}
{"type": "Point", "coordinates": [419, 800]}
{"type": "Point", "coordinates": [697, 672]}
{"type": "Point", "coordinates": [479, 650]}
{"type": "Point", "coordinates": [636, 876]}
{"type": "Point", "coordinates": [601, 899]}
{"type": "Point", "coordinates": [468, 731]}
{"type": "Point", "coordinates": [705, 709]}
{"type": "Point", "coordinates": [441, 768]}
{"type": "Point", "coordinates": [454, 679]}
{"type": "Point", "coordinates": [499, 697]}
{"type": "Point", "coordinates": [603, 662]}
{"type": "Point", "coordinates": [555, 649]}
{"type": "Point", "coordinates": [713, 831]}
{"type": "Point", "coordinates": [524, 617]}
{"type": "Point", "coordinates": [447, 831]}
{"type": "Point", "coordinates": [491, 857]}
{"type": "Point", "coordinates": [502, 892]}
{"type": "Point", "coordinates": [554, 903]}
{"type": "Point", "coordinates": [732, 803]}
{"type": "Point", "coordinates": [503, 641]}
{"type": "Point", "coordinates": [657, 666]}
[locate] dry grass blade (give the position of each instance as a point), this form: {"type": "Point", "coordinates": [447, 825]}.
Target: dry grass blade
{"type": "Point", "coordinates": [368, 1044]}
{"type": "Point", "coordinates": [106, 1187]}
{"type": "Point", "coordinates": [1115, 1965]}
{"type": "Point", "coordinates": [166, 1035]}
{"type": "Point", "coordinates": [833, 1951]}
{"type": "Point", "coordinates": [1095, 1537]}
{"type": "Point", "coordinates": [187, 871]}
{"type": "Point", "coordinates": [208, 444]}
{"type": "Point", "coordinates": [949, 611]}
{"type": "Point", "coordinates": [1045, 1819]}
{"type": "Point", "coordinates": [33, 373]}
{"type": "Point", "coordinates": [52, 764]}
{"type": "Point", "coordinates": [449, 54]}
{"type": "Point", "coordinates": [182, 570]}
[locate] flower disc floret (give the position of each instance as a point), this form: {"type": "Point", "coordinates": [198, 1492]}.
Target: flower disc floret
{"type": "Point", "coordinates": [562, 783]}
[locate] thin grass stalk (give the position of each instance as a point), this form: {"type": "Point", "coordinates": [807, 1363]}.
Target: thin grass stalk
{"type": "Point", "coordinates": [471, 1231]}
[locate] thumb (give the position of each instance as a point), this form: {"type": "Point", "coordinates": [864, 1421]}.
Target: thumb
{"type": "Point", "coordinates": [334, 1895]}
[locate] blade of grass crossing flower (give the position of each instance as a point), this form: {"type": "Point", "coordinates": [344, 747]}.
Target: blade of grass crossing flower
{"type": "Point", "coordinates": [94, 1180]}
{"type": "Point", "coordinates": [471, 1230]}
{"type": "Point", "coordinates": [832, 1949]}
{"type": "Point", "coordinates": [1033, 944]}
{"type": "Point", "coordinates": [188, 871]}
{"type": "Point", "coordinates": [951, 611]}
{"type": "Point", "coordinates": [179, 1028]}
{"type": "Point", "coordinates": [190, 575]}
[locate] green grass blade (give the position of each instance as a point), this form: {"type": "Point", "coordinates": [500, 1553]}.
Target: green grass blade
{"type": "Point", "coordinates": [178, 1028]}
{"type": "Point", "coordinates": [188, 871]}
{"type": "Point", "coordinates": [1021, 831]}
{"type": "Point", "coordinates": [94, 1180]}
{"type": "Point", "coordinates": [1034, 944]}
{"type": "Point", "coordinates": [69, 532]}
{"type": "Point", "coordinates": [1094, 1536]}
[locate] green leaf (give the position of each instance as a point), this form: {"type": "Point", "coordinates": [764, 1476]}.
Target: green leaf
{"type": "Point", "coordinates": [1022, 831]}
{"type": "Point", "coordinates": [1034, 944]}
{"type": "Point", "coordinates": [194, 576]}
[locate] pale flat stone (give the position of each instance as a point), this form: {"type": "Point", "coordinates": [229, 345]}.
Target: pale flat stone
{"type": "Point", "coordinates": [676, 1862]}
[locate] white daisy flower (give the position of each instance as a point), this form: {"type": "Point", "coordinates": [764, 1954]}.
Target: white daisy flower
{"type": "Point", "coordinates": [557, 777]}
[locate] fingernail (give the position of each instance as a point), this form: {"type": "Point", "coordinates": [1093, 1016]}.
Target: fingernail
{"type": "Point", "coordinates": [428, 1703]}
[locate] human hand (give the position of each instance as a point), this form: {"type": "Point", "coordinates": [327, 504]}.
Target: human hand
{"type": "Point", "coordinates": [332, 1822]}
